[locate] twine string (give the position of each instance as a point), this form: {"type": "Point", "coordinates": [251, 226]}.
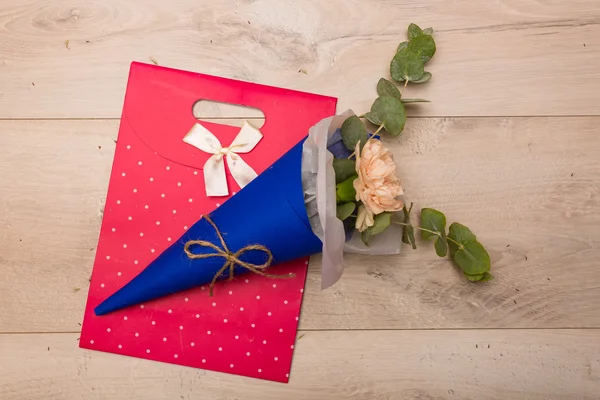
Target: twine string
{"type": "Point", "coordinates": [231, 259]}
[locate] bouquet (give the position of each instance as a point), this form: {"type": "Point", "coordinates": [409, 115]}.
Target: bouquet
{"type": "Point", "coordinates": [336, 191]}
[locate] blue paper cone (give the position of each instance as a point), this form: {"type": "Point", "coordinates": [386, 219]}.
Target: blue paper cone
{"type": "Point", "coordinates": [269, 211]}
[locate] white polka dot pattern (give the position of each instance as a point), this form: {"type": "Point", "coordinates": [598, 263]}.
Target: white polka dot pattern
{"type": "Point", "coordinates": [154, 204]}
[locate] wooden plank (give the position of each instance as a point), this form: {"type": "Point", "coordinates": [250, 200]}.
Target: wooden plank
{"type": "Point", "coordinates": [528, 187]}
{"type": "Point", "coordinates": [487, 364]}
{"type": "Point", "coordinates": [514, 58]}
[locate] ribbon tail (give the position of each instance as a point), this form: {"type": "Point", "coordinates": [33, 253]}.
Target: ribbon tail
{"type": "Point", "coordinates": [215, 181]}
{"type": "Point", "coordinates": [241, 172]}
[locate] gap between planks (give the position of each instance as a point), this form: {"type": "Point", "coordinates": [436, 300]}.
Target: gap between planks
{"type": "Point", "coordinates": [562, 328]}
{"type": "Point", "coordinates": [409, 117]}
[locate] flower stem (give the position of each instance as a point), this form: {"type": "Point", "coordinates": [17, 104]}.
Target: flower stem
{"type": "Point", "coordinates": [455, 242]}
{"type": "Point", "coordinates": [405, 85]}
{"type": "Point", "coordinates": [416, 227]}
{"type": "Point", "coordinates": [378, 129]}
{"type": "Point", "coordinates": [432, 232]}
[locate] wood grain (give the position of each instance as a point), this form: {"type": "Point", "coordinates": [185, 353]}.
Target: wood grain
{"type": "Point", "coordinates": [528, 187]}
{"type": "Point", "coordinates": [510, 57]}
{"type": "Point", "coordinates": [402, 327]}
{"type": "Point", "coordinates": [440, 365]}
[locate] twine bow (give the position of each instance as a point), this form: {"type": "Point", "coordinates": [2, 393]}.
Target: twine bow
{"type": "Point", "coordinates": [231, 259]}
{"type": "Point", "coordinates": [215, 181]}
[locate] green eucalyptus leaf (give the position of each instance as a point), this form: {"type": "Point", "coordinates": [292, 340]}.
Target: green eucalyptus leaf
{"type": "Point", "coordinates": [432, 220]}
{"type": "Point", "coordinates": [441, 246]}
{"type": "Point", "coordinates": [353, 131]}
{"type": "Point", "coordinates": [402, 46]}
{"type": "Point", "coordinates": [344, 191]}
{"type": "Point", "coordinates": [373, 118]}
{"type": "Point", "coordinates": [407, 65]}
{"type": "Point", "coordinates": [472, 258]}
{"type": "Point", "coordinates": [414, 31]}
{"type": "Point", "coordinates": [409, 101]}
{"type": "Point", "coordinates": [435, 223]}
{"type": "Point", "coordinates": [474, 278]}
{"type": "Point", "coordinates": [343, 168]}
{"type": "Point", "coordinates": [343, 211]}
{"type": "Point", "coordinates": [461, 234]}
{"type": "Point", "coordinates": [387, 88]}
{"type": "Point", "coordinates": [380, 224]}
{"type": "Point", "coordinates": [487, 277]}
{"type": "Point", "coordinates": [394, 124]}
{"type": "Point", "coordinates": [408, 236]}
{"type": "Point", "coordinates": [408, 233]}
{"type": "Point", "coordinates": [423, 46]}
{"type": "Point", "coordinates": [428, 31]}
{"type": "Point", "coordinates": [426, 76]}
{"type": "Point", "coordinates": [389, 112]}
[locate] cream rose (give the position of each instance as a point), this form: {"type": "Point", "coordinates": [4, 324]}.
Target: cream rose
{"type": "Point", "coordinates": [377, 185]}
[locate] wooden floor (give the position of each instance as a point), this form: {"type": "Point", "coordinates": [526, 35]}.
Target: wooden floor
{"type": "Point", "coordinates": [509, 146]}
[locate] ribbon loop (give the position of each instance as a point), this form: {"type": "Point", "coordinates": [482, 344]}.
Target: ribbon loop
{"type": "Point", "coordinates": [231, 259]}
{"type": "Point", "coordinates": [215, 181]}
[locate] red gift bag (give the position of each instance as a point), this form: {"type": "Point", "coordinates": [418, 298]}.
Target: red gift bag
{"type": "Point", "coordinates": [156, 192]}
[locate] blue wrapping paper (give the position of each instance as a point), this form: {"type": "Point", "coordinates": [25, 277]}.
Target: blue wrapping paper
{"type": "Point", "coordinates": [269, 211]}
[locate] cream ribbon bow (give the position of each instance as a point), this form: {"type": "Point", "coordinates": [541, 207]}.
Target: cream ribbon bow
{"type": "Point", "coordinates": [214, 169]}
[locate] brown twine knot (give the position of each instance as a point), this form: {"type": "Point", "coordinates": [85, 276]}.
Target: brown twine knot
{"type": "Point", "coordinates": [231, 259]}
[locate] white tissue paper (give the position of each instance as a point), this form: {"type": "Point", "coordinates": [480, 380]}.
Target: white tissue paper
{"type": "Point", "coordinates": [318, 182]}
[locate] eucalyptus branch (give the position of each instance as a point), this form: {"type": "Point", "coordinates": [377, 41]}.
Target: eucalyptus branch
{"type": "Point", "coordinates": [404, 88]}
{"type": "Point", "coordinates": [454, 241]}
{"type": "Point", "coordinates": [416, 227]}
{"type": "Point", "coordinates": [429, 231]}
{"type": "Point", "coordinates": [378, 130]}
{"type": "Point", "coordinates": [388, 113]}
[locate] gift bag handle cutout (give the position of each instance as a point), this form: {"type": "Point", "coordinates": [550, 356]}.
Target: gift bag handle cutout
{"type": "Point", "coordinates": [159, 109]}
{"type": "Point", "coordinates": [227, 113]}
